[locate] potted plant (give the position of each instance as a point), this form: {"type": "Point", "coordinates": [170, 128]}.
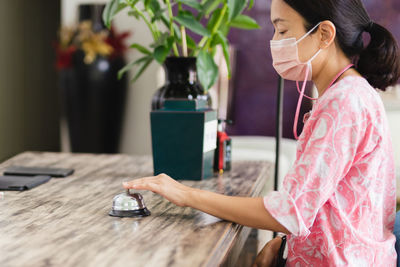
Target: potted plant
{"type": "Point", "coordinates": [186, 34]}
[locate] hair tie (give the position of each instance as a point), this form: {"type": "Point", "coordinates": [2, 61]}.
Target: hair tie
{"type": "Point", "coordinates": [369, 26]}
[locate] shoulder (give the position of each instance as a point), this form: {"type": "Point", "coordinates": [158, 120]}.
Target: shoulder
{"type": "Point", "coordinates": [352, 95]}
{"type": "Point", "coordinates": [343, 106]}
{"type": "Point", "coordinates": [350, 108]}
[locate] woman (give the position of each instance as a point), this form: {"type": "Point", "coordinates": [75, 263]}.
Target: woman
{"type": "Point", "coordinates": [337, 203]}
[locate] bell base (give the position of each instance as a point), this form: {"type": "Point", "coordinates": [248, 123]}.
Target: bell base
{"type": "Point", "coordinates": [130, 213]}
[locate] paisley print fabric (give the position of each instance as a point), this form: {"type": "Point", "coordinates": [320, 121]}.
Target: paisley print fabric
{"type": "Point", "coordinates": [338, 200]}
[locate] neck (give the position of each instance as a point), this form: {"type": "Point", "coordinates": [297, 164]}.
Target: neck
{"type": "Point", "coordinates": [328, 71]}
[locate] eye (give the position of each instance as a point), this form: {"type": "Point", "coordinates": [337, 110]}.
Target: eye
{"type": "Point", "coordinates": [282, 32]}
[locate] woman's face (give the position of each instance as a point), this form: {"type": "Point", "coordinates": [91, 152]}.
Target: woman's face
{"type": "Point", "coordinates": [289, 23]}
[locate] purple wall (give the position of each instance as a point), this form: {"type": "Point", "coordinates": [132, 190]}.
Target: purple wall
{"type": "Point", "coordinates": [256, 81]}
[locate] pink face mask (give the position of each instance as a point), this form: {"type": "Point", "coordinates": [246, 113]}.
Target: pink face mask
{"type": "Point", "coordinates": [285, 57]}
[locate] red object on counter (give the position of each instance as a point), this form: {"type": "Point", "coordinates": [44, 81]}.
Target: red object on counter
{"type": "Point", "coordinates": [222, 137]}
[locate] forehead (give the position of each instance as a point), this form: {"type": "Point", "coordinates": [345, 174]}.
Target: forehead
{"type": "Point", "coordinates": [282, 13]}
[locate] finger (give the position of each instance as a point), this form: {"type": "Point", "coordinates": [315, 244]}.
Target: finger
{"type": "Point", "coordinates": [137, 182]}
{"type": "Point", "coordinates": [142, 186]}
{"type": "Point", "coordinates": [150, 186]}
{"type": "Point", "coordinates": [148, 183]}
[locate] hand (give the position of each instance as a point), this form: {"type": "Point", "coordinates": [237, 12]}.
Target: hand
{"type": "Point", "coordinates": [163, 185]}
{"type": "Point", "coordinates": [269, 254]}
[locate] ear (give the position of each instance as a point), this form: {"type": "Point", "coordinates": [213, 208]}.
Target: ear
{"type": "Point", "coordinates": [327, 33]}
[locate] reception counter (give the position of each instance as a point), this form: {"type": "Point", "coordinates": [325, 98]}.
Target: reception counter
{"type": "Point", "coordinates": [65, 221]}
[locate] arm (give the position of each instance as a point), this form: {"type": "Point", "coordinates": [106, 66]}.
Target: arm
{"type": "Point", "coordinates": [242, 210]}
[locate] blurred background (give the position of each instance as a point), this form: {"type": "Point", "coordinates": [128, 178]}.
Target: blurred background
{"type": "Point", "coordinates": [29, 104]}
{"type": "Point", "coordinates": [55, 98]}
{"type": "Point", "coordinates": [32, 82]}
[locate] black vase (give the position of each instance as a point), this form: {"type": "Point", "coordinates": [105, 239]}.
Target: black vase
{"type": "Point", "coordinates": [182, 82]}
{"type": "Point", "coordinates": [93, 100]}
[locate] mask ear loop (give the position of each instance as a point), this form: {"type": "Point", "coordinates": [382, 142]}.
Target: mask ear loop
{"type": "Point", "coordinates": [296, 118]}
{"type": "Point", "coordinates": [309, 62]}
{"type": "Point", "coordinates": [308, 33]}
{"type": "Point", "coordinates": [308, 65]}
{"type": "Point", "coordinates": [298, 90]}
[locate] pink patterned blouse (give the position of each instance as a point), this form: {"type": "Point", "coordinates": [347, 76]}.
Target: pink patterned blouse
{"type": "Point", "coordinates": [338, 200]}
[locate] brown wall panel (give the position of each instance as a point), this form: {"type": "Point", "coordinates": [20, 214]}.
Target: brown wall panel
{"type": "Point", "coordinates": [29, 109]}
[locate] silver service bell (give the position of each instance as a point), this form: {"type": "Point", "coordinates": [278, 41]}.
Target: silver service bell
{"type": "Point", "coordinates": [129, 205]}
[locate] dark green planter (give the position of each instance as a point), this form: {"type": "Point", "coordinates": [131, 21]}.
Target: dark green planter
{"type": "Point", "coordinates": [184, 139]}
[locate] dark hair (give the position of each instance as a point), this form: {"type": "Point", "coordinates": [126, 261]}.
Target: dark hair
{"type": "Point", "coordinates": [379, 62]}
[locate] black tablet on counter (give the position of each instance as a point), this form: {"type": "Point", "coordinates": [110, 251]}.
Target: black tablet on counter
{"type": "Point", "coordinates": [21, 183]}
{"type": "Point", "coordinates": [33, 171]}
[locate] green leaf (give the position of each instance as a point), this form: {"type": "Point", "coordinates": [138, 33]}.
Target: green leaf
{"type": "Point", "coordinates": [235, 8]}
{"type": "Point", "coordinates": [161, 40]}
{"type": "Point", "coordinates": [111, 9]}
{"type": "Point", "coordinates": [207, 70]}
{"type": "Point", "coordinates": [134, 13]}
{"type": "Point", "coordinates": [142, 68]}
{"type": "Point", "coordinates": [190, 42]}
{"type": "Point", "coordinates": [221, 39]}
{"type": "Point", "coordinates": [155, 8]}
{"type": "Point", "coordinates": [162, 51]}
{"type": "Point", "coordinates": [192, 24]}
{"type": "Point", "coordinates": [244, 22]}
{"type": "Point", "coordinates": [165, 21]}
{"type": "Point", "coordinates": [213, 19]}
{"type": "Point", "coordinates": [210, 5]}
{"type": "Point", "coordinates": [170, 42]}
{"type": "Point", "coordinates": [157, 15]}
{"type": "Point", "coordinates": [131, 64]}
{"type": "Point", "coordinates": [185, 13]}
{"type": "Point", "coordinates": [192, 3]}
{"type": "Point", "coordinates": [225, 26]}
{"type": "Point", "coordinates": [251, 4]}
{"type": "Point", "coordinates": [153, 5]}
{"type": "Point", "coordinates": [141, 48]}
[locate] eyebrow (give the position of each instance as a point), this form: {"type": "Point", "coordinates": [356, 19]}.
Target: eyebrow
{"type": "Point", "coordinates": [275, 21]}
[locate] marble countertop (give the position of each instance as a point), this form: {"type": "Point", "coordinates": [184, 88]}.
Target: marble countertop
{"type": "Point", "coordinates": [65, 222]}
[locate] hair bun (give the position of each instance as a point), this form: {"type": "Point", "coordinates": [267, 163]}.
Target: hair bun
{"type": "Point", "coordinates": [370, 25]}
{"type": "Point", "coordinates": [379, 62]}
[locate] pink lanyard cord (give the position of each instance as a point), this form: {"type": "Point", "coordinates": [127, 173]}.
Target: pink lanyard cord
{"type": "Point", "coordinates": [339, 74]}
{"type": "Point", "coordinates": [296, 118]}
